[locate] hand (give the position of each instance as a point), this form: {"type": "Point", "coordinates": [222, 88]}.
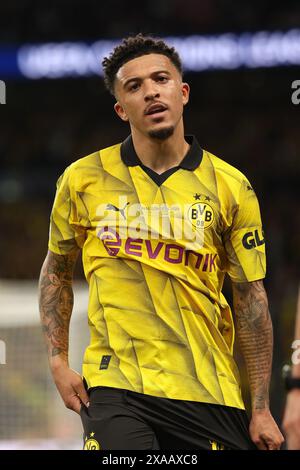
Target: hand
{"type": "Point", "coordinates": [70, 386]}
{"type": "Point", "coordinates": [291, 420]}
{"type": "Point", "coordinates": [264, 432]}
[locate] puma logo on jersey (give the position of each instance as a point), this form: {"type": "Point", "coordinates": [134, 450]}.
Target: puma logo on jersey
{"type": "Point", "coordinates": [111, 207]}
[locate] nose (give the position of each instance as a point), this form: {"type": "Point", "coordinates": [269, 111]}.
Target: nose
{"type": "Point", "coordinates": [150, 91]}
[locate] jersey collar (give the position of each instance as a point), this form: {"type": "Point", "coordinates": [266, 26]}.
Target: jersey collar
{"type": "Point", "coordinates": [190, 162]}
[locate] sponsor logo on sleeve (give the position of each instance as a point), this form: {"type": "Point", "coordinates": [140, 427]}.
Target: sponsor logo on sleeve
{"type": "Point", "coordinates": [253, 239]}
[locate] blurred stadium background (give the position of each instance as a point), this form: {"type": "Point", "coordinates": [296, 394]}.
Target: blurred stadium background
{"type": "Point", "coordinates": [240, 60]}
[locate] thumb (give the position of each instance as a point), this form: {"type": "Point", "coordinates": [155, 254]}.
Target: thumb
{"type": "Point", "coordinates": [82, 393]}
{"type": "Point", "coordinates": [270, 444]}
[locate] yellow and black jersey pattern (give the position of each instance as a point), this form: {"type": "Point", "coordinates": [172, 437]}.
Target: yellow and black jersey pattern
{"type": "Point", "coordinates": [159, 322]}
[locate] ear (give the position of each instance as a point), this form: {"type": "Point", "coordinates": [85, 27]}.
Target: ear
{"type": "Point", "coordinates": [185, 89]}
{"type": "Point", "coordinates": [120, 111]}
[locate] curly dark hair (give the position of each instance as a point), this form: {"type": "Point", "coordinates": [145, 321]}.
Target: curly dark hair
{"type": "Point", "coordinates": [131, 48]}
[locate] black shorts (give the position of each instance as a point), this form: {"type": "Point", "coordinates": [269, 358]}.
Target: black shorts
{"type": "Point", "coordinates": [122, 419]}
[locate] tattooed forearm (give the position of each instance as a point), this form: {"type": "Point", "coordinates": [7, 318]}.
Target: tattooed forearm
{"type": "Point", "coordinates": [255, 334]}
{"type": "Point", "coordinates": [56, 301]}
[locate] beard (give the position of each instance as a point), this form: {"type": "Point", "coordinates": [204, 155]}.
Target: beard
{"type": "Point", "coordinates": [162, 134]}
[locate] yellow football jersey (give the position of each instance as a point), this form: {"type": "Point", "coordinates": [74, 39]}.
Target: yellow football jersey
{"type": "Point", "coordinates": [155, 252]}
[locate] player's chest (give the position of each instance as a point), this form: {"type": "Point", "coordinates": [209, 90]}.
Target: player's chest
{"type": "Point", "coordinates": [179, 209]}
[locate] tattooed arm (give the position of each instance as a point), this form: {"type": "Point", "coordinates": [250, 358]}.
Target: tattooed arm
{"type": "Point", "coordinates": [56, 304]}
{"type": "Point", "coordinates": [255, 334]}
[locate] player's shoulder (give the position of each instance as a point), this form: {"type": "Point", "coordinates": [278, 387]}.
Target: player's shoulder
{"type": "Point", "coordinates": [224, 169]}
{"type": "Point", "coordinates": [88, 166]}
{"type": "Point", "coordinates": [93, 160]}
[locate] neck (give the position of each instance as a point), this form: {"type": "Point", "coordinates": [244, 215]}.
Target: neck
{"type": "Point", "coordinates": [160, 155]}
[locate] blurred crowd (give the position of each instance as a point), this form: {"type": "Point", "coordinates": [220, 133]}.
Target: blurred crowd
{"type": "Point", "coordinates": [65, 20]}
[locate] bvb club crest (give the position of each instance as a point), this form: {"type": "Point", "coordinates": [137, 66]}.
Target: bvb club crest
{"type": "Point", "coordinates": [201, 215]}
{"type": "Point", "coordinates": [91, 443]}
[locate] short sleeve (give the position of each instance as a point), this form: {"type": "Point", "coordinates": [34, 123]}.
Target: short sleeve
{"type": "Point", "coordinates": [65, 233]}
{"type": "Point", "coordinates": [244, 240]}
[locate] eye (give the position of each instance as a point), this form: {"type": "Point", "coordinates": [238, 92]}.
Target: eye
{"type": "Point", "coordinates": [134, 87]}
{"type": "Point", "coordinates": [162, 78]}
